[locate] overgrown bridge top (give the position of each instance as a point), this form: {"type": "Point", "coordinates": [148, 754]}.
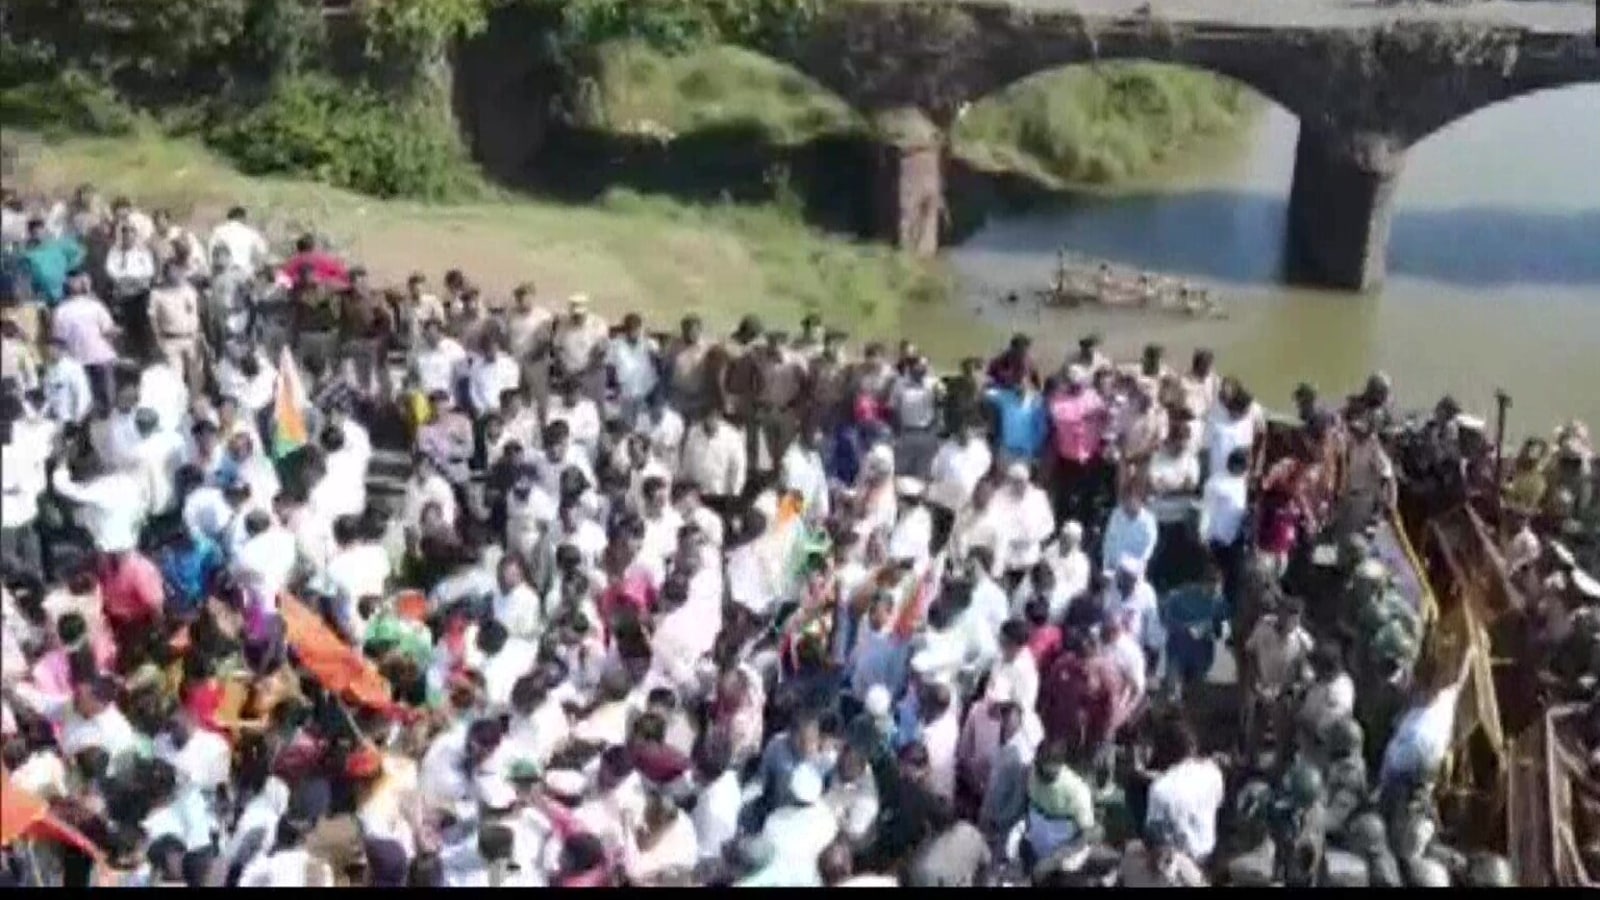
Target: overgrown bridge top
{"type": "Point", "coordinates": [1541, 16]}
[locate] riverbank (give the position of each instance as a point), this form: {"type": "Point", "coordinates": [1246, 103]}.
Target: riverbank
{"type": "Point", "coordinates": [628, 252]}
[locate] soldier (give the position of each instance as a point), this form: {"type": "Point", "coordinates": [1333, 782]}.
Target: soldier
{"type": "Point", "coordinates": [1366, 837]}
{"type": "Point", "coordinates": [1255, 862]}
{"type": "Point", "coordinates": [1346, 773]}
{"type": "Point", "coordinates": [1302, 825]}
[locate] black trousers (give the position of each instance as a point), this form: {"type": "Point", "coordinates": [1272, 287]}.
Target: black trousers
{"type": "Point", "coordinates": [102, 386]}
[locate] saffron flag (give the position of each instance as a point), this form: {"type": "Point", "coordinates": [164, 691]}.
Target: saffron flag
{"type": "Point", "coordinates": [288, 421]}
{"type": "Point", "coordinates": [914, 606]}
{"type": "Point", "coordinates": [25, 816]}
{"type": "Point", "coordinates": [337, 666]}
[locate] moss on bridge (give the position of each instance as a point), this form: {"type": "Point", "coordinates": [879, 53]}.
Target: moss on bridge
{"type": "Point", "coordinates": [1084, 124]}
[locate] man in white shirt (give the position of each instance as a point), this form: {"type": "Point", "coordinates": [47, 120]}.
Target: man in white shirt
{"type": "Point", "coordinates": [1134, 603]}
{"type": "Point", "coordinates": [1016, 666]}
{"type": "Point", "coordinates": [248, 377]}
{"type": "Point", "coordinates": [426, 485]}
{"type": "Point", "coordinates": [342, 490]}
{"type": "Point", "coordinates": [156, 458]}
{"type": "Point", "coordinates": [501, 660]}
{"type": "Point", "coordinates": [129, 265]}
{"type": "Point", "coordinates": [116, 437]}
{"type": "Point", "coordinates": [802, 829]}
{"type": "Point", "coordinates": [436, 363]}
{"type": "Point", "coordinates": [358, 568]}
{"type": "Point", "coordinates": [803, 473]}
{"type": "Point", "coordinates": [161, 388]}
{"type": "Point", "coordinates": [93, 720]}
{"type": "Point", "coordinates": [1236, 423]}
{"type": "Point", "coordinates": [1188, 794]}
{"type": "Point", "coordinates": [267, 556]}
{"type": "Point", "coordinates": [632, 360]}
{"type": "Point", "coordinates": [490, 374]}
{"type": "Point", "coordinates": [113, 505]}
{"type": "Point", "coordinates": [912, 536]}
{"type": "Point", "coordinates": [960, 463]}
{"type": "Point", "coordinates": [1422, 739]}
{"type": "Point", "coordinates": [247, 249]}
{"type": "Point", "coordinates": [1224, 502]}
{"type": "Point", "coordinates": [1070, 565]}
{"type": "Point", "coordinates": [714, 458]}
{"type": "Point", "coordinates": [582, 417]}
{"type": "Point", "coordinates": [539, 727]}
{"type": "Point", "coordinates": [716, 811]}
{"type": "Point", "coordinates": [1031, 519]}
{"type": "Point", "coordinates": [68, 395]}
{"type": "Point", "coordinates": [23, 478]}
{"type": "Point", "coordinates": [1130, 532]}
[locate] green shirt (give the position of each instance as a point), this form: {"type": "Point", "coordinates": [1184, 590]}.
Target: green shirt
{"type": "Point", "coordinates": [48, 265]}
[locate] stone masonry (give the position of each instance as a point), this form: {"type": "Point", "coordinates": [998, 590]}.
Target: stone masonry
{"type": "Point", "coordinates": [1366, 81]}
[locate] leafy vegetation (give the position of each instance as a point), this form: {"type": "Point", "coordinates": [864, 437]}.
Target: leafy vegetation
{"type": "Point", "coordinates": [349, 137]}
{"type": "Point", "coordinates": [1099, 124]}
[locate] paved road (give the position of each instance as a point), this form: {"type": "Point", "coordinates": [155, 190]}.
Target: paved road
{"type": "Point", "coordinates": [1554, 16]}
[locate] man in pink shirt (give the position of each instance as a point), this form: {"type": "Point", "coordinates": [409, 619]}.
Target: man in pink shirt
{"type": "Point", "coordinates": [133, 593]}
{"type": "Point", "coordinates": [84, 326]}
{"type": "Point", "coordinates": [1078, 419]}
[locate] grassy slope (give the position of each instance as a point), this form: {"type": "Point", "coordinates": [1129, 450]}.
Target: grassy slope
{"type": "Point", "coordinates": [666, 258]}
{"type": "Point", "coordinates": [628, 253]}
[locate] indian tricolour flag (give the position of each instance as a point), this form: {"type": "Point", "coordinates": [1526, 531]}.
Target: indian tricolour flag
{"type": "Point", "coordinates": [913, 607]}
{"type": "Point", "coordinates": [288, 416]}
{"type": "Point", "coordinates": [783, 547]}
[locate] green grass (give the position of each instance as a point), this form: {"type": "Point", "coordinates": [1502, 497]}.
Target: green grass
{"type": "Point", "coordinates": [1100, 124]}
{"type": "Point", "coordinates": [645, 91]}
{"type": "Point", "coordinates": [628, 252]}
{"type": "Point", "coordinates": [1081, 125]}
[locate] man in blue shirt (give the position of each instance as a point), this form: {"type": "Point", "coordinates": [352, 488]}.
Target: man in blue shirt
{"type": "Point", "coordinates": [48, 261]}
{"type": "Point", "coordinates": [1195, 615]}
{"type": "Point", "coordinates": [1023, 425]}
{"type": "Point", "coordinates": [188, 563]}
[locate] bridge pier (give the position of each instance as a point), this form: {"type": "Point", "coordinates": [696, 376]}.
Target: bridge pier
{"type": "Point", "coordinates": [910, 180]}
{"type": "Point", "coordinates": [1339, 208]}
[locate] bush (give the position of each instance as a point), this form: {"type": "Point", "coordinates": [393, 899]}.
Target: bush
{"type": "Point", "coordinates": [68, 103]}
{"type": "Point", "coordinates": [349, 137]}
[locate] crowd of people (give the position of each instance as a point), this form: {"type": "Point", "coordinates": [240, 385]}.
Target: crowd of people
{"type": "Point", "coordinates": [665, 609]}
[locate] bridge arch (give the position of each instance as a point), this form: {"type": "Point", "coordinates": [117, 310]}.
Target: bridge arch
{"type": "Point", "coordinates": [1050, 111]}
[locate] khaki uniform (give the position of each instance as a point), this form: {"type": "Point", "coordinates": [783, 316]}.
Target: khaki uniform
{"type": "Point", "coordinates": [175, 318]}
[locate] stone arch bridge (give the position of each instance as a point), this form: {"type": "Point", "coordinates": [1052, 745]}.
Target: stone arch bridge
{"type": "Point", "coordinates": [1367, 79]}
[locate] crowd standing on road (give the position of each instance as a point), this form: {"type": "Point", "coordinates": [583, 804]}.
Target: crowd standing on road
{"type": "Point", "coordinates": [665, 609]}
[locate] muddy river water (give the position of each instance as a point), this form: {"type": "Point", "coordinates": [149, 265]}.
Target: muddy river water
{"type": "Point", "coordinates": [1494, 267]}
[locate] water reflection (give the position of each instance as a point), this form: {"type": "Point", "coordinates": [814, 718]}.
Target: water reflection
{"type": "Point", "coordinates": [1494, 264]}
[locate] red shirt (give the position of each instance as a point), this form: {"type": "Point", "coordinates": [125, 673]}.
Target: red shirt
{"type": "Point", "coordinates": [632, 592]}
{"type": "Point", "coordinates": [658, 762]}
{"type": "Point", "coordinates": [131, 590]}
{"type": "Point", "coordinates": [1044, 644]}
{"type": "Point", "coordinates": [1079, 698]}
{"type": "Point", "coordinates": [326, 269]}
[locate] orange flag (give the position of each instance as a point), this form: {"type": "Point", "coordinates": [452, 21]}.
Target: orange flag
{"type": "Point", "coordinates": [915, 606]}
{"type": "Point", "coordinates": [337, 666]}
{"type": "Point", "coordinates": [23, 815]}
